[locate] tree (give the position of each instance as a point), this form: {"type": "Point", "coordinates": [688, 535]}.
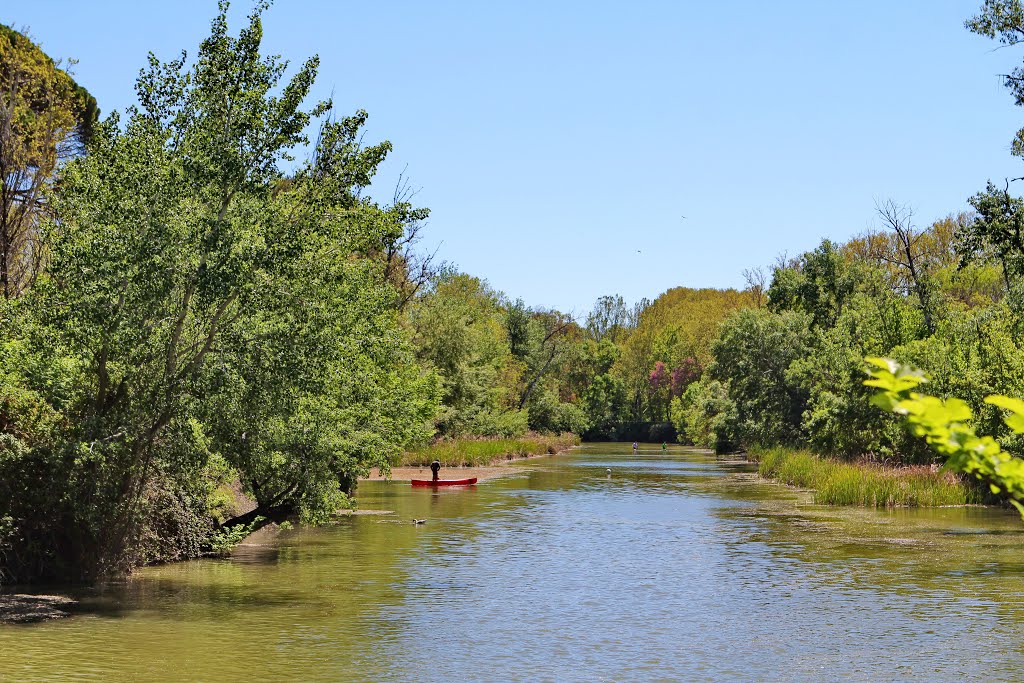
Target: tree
{"type": "Point", "coordinates": [997, 231]}
{"type": "Point", "coordinates": [659, 384]}
{"type": "Point", "coordinates": [408, 270]}
{"type": "Point", "coordinates": [518, 328]}
{"type": "Point", "coordinates": [676, 329]}
{"type": "Point", "coordinates": [460, 332]}
{"type": "Point", "coordinates": [44, 116]}
{"type": "Point", "coordinates": [610, 317]}
{"type": "Point", "coordinates": [554, 327]}
{"type": "Point", "coordinates": [1003, 20]}
{"type": "Point", "coordinates": [604, 402]}
{"type": "Point", "coordinates": [908, 251]}
{"type": "Point", "coordinates": [820, 283]}
{"type": "Point", "coordinates": [705, 416]}
{"type": "Point", "coordinates": [204, 309]}
{"type": "Point", "coordinates": [837, 419]}
{"type": "Point", "coordinates": [757, 284]}
{"type": "Point", "coordinates": [753, 355]}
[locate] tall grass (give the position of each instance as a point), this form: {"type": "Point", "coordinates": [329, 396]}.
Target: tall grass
{"type": "Point", "coordinates": [840, 483]}
{"type": "Point", "coordinates": [474, 452]}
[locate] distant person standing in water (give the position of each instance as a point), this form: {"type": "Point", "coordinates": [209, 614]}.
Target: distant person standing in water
{"type": "Point", "coordinates": [664, 446]}
{"type": "Point", "coordinates": [634, 448]}
{"type": "Point", "coordinates": [435, 467]}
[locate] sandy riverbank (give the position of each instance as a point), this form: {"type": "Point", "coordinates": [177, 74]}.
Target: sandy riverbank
{"type": "Point", "coordinates": [482, 473]}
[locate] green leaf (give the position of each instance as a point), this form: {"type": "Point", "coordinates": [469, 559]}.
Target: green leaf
{"type": "Point", "coordinates": [886, 364]}
{"type": "Point", "coordinates": [884, 400]}
{"type": "Point", "coordinates": [1015, 421]}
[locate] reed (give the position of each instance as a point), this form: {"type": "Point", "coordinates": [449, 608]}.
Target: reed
{"type": "Point", "coordinates": [477, 451]}
{"type": "Point", "coordinates": [866, 484]}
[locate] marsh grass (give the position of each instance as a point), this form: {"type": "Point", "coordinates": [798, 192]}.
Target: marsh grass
{"type": "Point", "coordinates": [866, 484]}
{"type": "Point", "coordinates": [474, 452]}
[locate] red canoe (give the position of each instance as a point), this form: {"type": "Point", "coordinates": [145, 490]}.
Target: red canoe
{"type": "Point", "coordinates": [444, 482]}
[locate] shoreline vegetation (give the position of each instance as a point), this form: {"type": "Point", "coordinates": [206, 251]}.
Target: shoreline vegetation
{"type": "Point", "coordinates": [864, 484]}
{"type": "Point", "coordinates": [483, 451]}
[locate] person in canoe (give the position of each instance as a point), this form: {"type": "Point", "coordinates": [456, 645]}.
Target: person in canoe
{"type": "Point", "coordinates": [435, 467]}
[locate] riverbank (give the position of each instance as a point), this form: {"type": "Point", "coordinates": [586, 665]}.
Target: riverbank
{"type": "Point", "coordinates": [483, 458]}
{"type": "Point", "coordinates": [483, 452]}
{"type": "Point", "coordinates": [482, 473]}
{"type": "Point", "coordinates": [864, 484]}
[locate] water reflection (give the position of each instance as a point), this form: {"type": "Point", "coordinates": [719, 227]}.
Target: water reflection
{"type": "Point", "coordinates": [672, 567]}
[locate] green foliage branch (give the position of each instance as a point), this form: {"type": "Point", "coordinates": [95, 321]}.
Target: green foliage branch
{"type": "Point", "coordinates": [945, 426]}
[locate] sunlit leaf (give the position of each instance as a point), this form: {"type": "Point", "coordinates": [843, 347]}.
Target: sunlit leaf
{"type": "Point", "coordinates": [885, 401]}
{"type": "Point", "coordinates": [1015, 420]}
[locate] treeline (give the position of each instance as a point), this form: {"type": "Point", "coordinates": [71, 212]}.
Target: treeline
{"type": "Point", "coordinates": [792, 372]}
{"type": "Point", "coordinates": [506, 368]}
{"type": "Point", "coordinates": [947, 299]}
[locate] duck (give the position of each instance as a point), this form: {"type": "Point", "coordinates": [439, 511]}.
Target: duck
{"type": "Point", "coordinates": [419, 521]}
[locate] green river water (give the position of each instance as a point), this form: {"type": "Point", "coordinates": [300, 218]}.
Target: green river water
{"type": "Point", "coordinates": [675, 567]}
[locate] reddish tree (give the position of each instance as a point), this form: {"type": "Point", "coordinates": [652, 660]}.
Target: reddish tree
{"type": "Point", "coordinates": [685, 375]}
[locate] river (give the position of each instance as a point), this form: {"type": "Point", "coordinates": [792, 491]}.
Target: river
{"type": "Point", "coordinates": [670, 567]}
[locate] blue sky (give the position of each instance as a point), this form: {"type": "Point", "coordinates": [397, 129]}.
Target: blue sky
{"type": "Point", "coordinates": [559, 144]}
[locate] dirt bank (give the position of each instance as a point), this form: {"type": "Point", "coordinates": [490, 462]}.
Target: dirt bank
{"type": "Point", "coordinates": [481, 473]}
{"type": "Point", "coordinates": [501, 468]}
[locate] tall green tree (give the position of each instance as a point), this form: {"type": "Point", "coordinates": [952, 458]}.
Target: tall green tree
{"type": "Point", "coordinates": [461, 333]}
{"type": "Point", "coordinates": [1003, 20]}
{"type": "Point", "coordinates": [201, 307]}
{"type": "Point", "coordinates": [44, 116]}
{"type": "Point", "coordinates": [753, 356]}
{"type": "Point", "coordinates": [820, 283]}
{"type": "Point", "coordinates": [996, 233]}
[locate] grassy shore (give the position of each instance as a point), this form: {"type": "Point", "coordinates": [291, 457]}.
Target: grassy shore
{"type": "Point", "coordinates": [867, 484]}
{"type": "Point", "coordinates": [476, 452]}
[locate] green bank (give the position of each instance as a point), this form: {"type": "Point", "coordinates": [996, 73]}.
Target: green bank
{"type": "Point", "coordinates": [872, 485]}
{"type": "Point", "coordinates": [470, 452]}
